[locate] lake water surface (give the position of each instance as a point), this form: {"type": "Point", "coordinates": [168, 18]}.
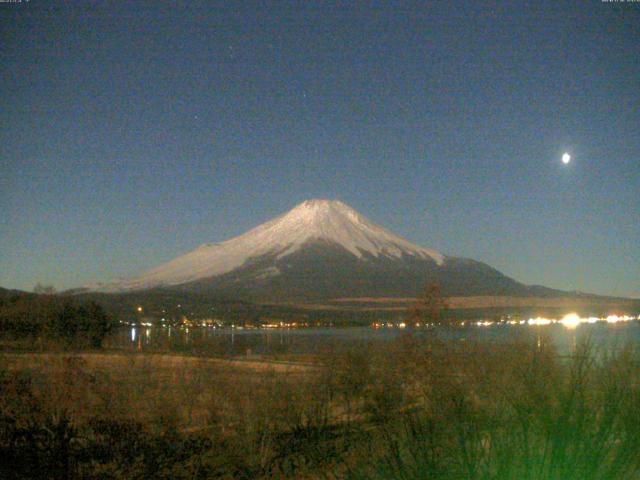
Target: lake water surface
{"type": "Point", "coordinates": [303, 341]}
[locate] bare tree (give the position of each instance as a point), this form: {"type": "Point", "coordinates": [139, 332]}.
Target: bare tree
{"type": "Point", "coordinates": [428, 308]}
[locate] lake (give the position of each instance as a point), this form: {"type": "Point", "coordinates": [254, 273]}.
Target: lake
{"type": "Point", "coordinates": [309, 341]}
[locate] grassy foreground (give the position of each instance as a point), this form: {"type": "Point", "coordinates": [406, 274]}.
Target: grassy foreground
{"type": "Point", "coordinates": [408, 409]}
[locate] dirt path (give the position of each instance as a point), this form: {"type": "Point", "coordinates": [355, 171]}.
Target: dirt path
{"type": "Point", "coordinates": [17, 361]}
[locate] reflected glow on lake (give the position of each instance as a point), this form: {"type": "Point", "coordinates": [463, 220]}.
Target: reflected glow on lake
{"type": "Point", "coordinates": [565, 332]}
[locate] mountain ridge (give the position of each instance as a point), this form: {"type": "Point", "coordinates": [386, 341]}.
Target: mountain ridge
{"type": "Point", "coordinates": [321, 249]}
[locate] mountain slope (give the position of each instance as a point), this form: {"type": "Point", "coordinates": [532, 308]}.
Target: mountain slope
{"type": "Point", "coordinates": [329, 221]}
{"type": "Point", "coordinates": [322, 270]}
{"type": "Point", "coordinates": [320, 249]}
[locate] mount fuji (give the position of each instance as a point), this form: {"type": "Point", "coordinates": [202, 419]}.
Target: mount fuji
{"type": "Point", "coordinates": [321, 249]}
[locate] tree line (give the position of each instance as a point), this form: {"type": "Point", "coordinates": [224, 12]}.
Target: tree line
{"type": "Point", "coordinates": [54, 318]}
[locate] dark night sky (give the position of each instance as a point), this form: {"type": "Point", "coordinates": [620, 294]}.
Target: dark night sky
{"type": "Point", "coordinates": [132, 132]}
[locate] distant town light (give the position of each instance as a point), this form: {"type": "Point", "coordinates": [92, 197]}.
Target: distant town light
{"type": "Point", "coordinates": [539, 321]}
{"type": "Point", "coordinates": [571, 321]}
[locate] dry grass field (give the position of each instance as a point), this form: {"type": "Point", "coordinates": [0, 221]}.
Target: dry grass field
{"type": "Point", "coordinates": [412, 408]}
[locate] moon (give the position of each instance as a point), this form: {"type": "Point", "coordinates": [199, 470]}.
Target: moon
{"type": "Point", "coordinates": [566, 158]}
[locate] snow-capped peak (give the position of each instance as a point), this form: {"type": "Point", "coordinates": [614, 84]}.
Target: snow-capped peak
{"type": "Point", "coordinates": [326, 220]}
{"type": "Point", "coordinates": [333, 221]}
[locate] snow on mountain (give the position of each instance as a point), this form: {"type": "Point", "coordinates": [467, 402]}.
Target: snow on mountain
{"type": "Point", "coordinates": [325, 220]}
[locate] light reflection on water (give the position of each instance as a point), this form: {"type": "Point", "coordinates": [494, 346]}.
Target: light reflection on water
{"type": "Point", "coordinates": [229, 341]}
